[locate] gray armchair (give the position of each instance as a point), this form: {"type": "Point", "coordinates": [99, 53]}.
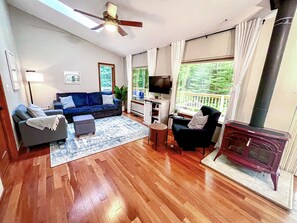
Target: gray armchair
{"type": "Point", "coordinates": [32, 136]}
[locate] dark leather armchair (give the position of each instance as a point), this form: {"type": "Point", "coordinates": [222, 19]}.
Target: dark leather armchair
{"type": "Point", "coordinates": [189, 139]}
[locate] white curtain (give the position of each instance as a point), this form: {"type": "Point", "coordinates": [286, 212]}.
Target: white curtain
{"type": "Point", "coordinates": [129, 80]}
{"type": "Point", "coordinates": [289, 158]}
{"type": "Point", "coordinates": [246, 39]}
{"type": "Point", "coordinates": [152, 61]}
{"type": "Point", "coordinates": [177, 52]}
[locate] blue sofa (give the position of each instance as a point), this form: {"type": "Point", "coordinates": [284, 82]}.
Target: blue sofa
{"type": "Point", "coordinates": [88, 103]}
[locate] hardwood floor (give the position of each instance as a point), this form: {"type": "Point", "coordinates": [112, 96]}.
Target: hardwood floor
{"type": "Point", "coordinates": [130, 183]}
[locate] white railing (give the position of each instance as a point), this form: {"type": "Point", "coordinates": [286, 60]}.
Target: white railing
{"type": "Point", "coordinates": [193, 101]}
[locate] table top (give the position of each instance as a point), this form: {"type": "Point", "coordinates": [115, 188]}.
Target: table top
{"type": "Point", "coordinates": [158, 126]}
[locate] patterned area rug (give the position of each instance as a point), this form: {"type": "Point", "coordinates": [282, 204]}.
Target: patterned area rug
{"type": "Point", "coordinates": [110, 132]}
{"type": "Point", "coordinates": [260, 183]}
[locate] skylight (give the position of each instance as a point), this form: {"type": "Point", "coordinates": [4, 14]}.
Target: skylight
{"type": "Point", "coordinates": [69, 12]}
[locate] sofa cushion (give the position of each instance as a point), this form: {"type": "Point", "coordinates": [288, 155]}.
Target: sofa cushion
{"type": "Point", "coordinates": [36, 111]}
{"type": "Point", "coordinates": [79, 99]}
{"type": "Point", "coordinates": [67, 102]}
{"type": "Point", "coordinates": [95, 98]}
{"type": "Point", "coordinates": [96, 108]}
{"type": "Point", "coordinates": [107, 99]}
{"type": "Point", "coordinates": [22, 112]}
{"type": "Point", "coordinates": [78, 110]}
{"type": "Point", "coordinates": [109, 107]}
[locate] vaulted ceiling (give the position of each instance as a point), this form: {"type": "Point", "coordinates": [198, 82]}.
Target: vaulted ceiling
{"type": "Point", "coordinates": [164, 21]}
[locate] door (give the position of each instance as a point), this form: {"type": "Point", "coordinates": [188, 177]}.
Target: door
{"type": "Point", "coordinates": [106, 76]}
{"type": "Point", "coordinates": [4, 159]}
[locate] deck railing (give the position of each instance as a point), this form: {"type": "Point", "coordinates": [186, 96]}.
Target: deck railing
{"type": "Point", "coordinates": [193, 101]}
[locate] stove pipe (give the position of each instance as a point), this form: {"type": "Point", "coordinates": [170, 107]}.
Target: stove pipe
{"type": "Point", "coordinates": [279, 37]}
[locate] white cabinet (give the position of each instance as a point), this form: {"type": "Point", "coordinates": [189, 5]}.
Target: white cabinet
{"type": "Point", "coordinates": [156, 110]}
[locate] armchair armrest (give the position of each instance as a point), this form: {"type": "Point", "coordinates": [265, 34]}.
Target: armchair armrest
{"type": "Point", "coordinates": [57, 104]}
{"type": "Point", "coordinates": [54, 112]}
{"type": "Point", "coordinates": [117, 102]}
{"type": "Point", "coordinates": [181, 121]}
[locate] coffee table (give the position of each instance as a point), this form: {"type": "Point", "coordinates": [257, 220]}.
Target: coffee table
{"type": "Point", "coordinates": [158, 134]}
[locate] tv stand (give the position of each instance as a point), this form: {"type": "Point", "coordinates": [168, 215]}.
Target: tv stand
{"type": "Point", "coordinates": [156, 110]}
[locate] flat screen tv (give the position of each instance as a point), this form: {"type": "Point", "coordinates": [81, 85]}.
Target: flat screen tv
{"type": "Point", "coordinates": [159, 84]}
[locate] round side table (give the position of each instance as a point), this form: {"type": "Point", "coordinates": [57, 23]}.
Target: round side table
{"type": "Point", "coordinates": [158, 134]}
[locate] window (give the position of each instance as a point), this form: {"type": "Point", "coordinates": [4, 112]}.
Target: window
{"type": "Point", "coordinates": [140, 83]}
{"type": "Point", "coordinates": [205, 83]}
{"type": "Point", "coordinates": [106, 76]}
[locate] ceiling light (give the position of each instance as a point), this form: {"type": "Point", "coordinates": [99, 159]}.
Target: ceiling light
{"type": "Point", "coordinates": [69, 12]}
{"type": "Point", "coordinates": [111, 26]}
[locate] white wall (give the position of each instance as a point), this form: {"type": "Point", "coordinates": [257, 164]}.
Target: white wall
{"type": "Point", "coordinates": [284, 98]}
{"type": "Point", "coordinates": [13, 98]}
{"type": "Point", "coordinates": [50, 50]}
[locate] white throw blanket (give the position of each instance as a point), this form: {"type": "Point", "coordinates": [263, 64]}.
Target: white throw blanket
{"type": "Point", "coordinates": [51, 122]}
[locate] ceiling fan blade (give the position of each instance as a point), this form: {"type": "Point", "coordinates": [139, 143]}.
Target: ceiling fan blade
{"type": "Point", "coordinates": [121, 31]}
{"type": "Point", "coordinates": [98, 27]}
{"type": "Point", "coordinates": [130, 23]}
{"type": "Point", "coordinates": [111, 9]}
{"type": "Point", "coordinates": [88, 14]}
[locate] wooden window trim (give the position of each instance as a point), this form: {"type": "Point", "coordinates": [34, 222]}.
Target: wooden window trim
{"type": "Point", "coordinates": [113, 74]}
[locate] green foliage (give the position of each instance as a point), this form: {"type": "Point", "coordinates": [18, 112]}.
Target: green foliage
{"type": "Point", "coordinates": [211, 78]}
{"type": "Point", "coordinates": [106, 78]}
{"type": "Point", "coordinates": [121, 93]}
{"type": "Point", "coordinates": [140, 77]}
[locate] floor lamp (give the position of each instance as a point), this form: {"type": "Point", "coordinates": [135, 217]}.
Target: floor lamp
{"type": "Point", "coordinates": [33, 76]}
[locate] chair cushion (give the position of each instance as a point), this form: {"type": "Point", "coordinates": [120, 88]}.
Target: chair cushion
{"type": "Point", "coordinates": [36, 111]}
{"type": "Point", "coordinates": [177, 127]}
{"type": "Point", "coordinates": [109, 107]}
{"type": "Point", "coordinates": [22, 112]}
{"type": "Point", "coordinates": [95, 98]}
{"type": "Point", "coordinates": [79, 99]}
{"type": "Point", "coordinates": [67, 102]}
{"type": "Point", "coordinates": [78, 110]}
{"type": "Point", "coordinates": [107, 100]}
{"type": "Point", "coordinates": [198, 121]}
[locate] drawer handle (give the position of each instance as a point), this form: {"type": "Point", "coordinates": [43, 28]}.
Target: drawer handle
{"type": "Point", "coordinates": [248, 143]}
{"type": "Point", "coordinates": [3, 154]}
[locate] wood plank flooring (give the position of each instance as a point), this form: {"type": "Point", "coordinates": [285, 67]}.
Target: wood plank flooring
{"type": "Point", "coordinates": [130, 183]}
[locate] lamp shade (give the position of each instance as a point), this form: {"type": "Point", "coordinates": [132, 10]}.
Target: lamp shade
{"type": "Point", "coordinates": [34, 76]}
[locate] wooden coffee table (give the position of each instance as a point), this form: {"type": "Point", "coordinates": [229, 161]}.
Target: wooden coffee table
{"type": "Point", "coordinates": [158, 134]}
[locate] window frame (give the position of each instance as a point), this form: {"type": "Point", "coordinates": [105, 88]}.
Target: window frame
{"type": "Point", "coordinates": [113, 74]}
{"type": "Point", "coordinates": [138, 67]}
{"type": "Point", "coordinates": [208, 60]}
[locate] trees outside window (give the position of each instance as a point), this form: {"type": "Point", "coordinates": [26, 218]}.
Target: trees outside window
{"type": "Point", "coordinates": [205, 83]}
{"type": "Point", "coordinates": [106, 76]}
{"type": "Point", "coordinates": [140, 83]}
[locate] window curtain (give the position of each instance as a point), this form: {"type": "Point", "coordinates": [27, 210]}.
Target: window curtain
{"type": "Point", "coordinates": [129, 80]}
{"type": "Point", "coordinates": [289, 158]}
{"type": "Point", "coordinates": [152, 61]}
{"type": "Point", "coordinates": [177, 52]}
{"type": "Point", "coordinates": [246, 39]}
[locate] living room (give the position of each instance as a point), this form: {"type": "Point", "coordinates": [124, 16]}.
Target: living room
{"type": "Point", "coordinates": [132, 163]}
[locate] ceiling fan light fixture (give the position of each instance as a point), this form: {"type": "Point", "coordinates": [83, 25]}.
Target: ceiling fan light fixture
{"type": "Point", "coordinates": [111, 26]}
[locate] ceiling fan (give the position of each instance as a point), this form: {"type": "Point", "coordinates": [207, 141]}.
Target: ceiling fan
{"type": "Point", "coordinates": [111, 21]}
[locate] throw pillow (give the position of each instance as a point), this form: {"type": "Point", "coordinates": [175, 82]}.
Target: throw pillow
{"type": "Point", "coordinates": [198, 121]}
{"type": "Point", "coordinates": [107, 99]}
{"type": "Point", "coordinates": [36, 111]}
{"type": "Point", "coordinates": [67, 102]}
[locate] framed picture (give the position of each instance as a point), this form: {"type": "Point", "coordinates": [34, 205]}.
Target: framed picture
{"type": "Point", "coordinates": [71, 77]}
{"type": "Point", "coordinates": [13, 71]}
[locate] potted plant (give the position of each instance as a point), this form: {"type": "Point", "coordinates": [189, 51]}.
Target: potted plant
{"type": "Point", "coordinates": [121, 93]}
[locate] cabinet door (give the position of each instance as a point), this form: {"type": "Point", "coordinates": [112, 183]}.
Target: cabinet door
{"type": "Point", "coordinates": [147, 112]}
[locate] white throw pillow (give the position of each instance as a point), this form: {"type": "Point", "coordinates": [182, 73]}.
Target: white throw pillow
{"type": "Point", "coordinates": [67, 102]}
{"type": "Point", "coordinates": [198, 121]}
{"type": "Point", "coordinates": [107, 99]}
{"type": "Point", "coordinates": [35, 111]}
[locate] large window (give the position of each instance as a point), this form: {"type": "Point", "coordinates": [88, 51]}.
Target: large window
{"type": "Point", "coordinates": [140, 83]}
{"type": "Point", "coordinates": [106, 76]}
{"type": "Point", "coordinates": [205, 83]}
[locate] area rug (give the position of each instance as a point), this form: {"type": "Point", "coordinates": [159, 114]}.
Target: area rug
{"type": "Point", "coordinates": [260, 183]}
{"type": "Point", "coordinates": [110, 132]}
